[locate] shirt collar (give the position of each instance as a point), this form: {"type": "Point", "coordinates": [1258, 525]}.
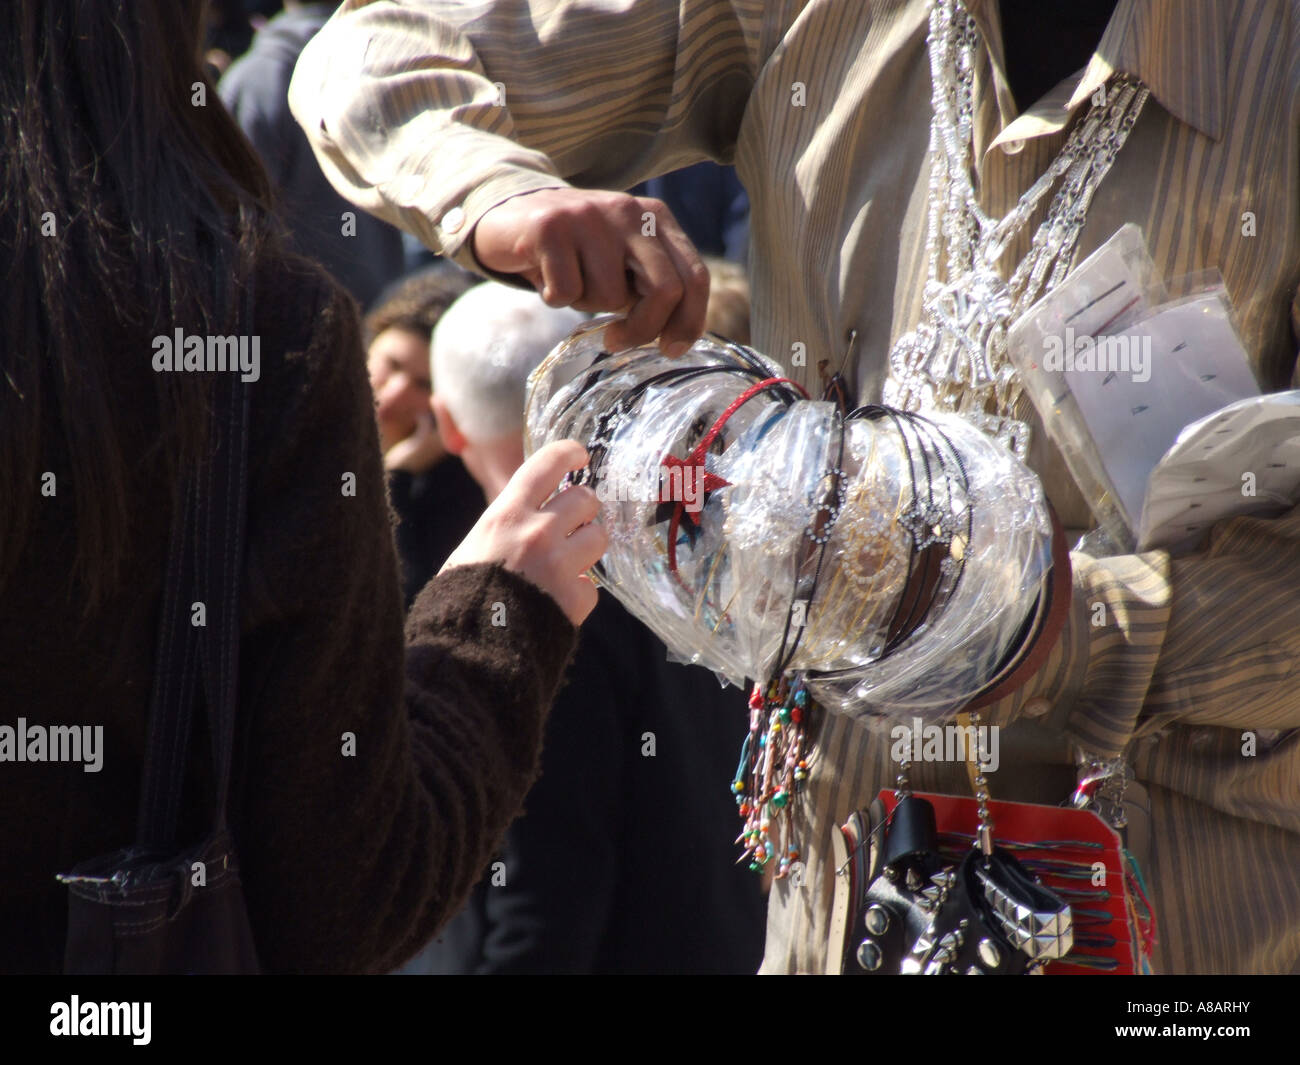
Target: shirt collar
{"type": "Point", "coordinates": [1177, 48]}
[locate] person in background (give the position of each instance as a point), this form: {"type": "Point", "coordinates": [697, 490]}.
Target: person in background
{"type": "Point", "coordinates": [483, 349]}
{"type": "Point", "coordinates": [435, 499]}
{"type": "Point", "coordinates": [728, 310]}
{"type": "Point", "coordinates": [228, 30]}
{"type": "Point", "coordinates": [364, 253]}
{"type": "Point", "coordinates": [623, 861]}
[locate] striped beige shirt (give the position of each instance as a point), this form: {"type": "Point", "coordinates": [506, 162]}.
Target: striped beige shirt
{"type": "Point", "coordinates": [429, 113]}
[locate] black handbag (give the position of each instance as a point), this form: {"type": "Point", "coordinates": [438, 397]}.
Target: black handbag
{"type": "Point", "coordinates": [152, 908]}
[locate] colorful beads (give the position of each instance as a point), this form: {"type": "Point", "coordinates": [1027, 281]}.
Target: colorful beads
{"type": "Point", "coordinates": [772, 768]}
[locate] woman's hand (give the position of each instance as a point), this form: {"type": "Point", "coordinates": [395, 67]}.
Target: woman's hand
{"type": "Point", "coordinates": [550, 543]}
{"type": "Point", "coordinates": [419, 451]}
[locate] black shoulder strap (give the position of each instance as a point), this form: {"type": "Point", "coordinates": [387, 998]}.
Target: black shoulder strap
{"type": "Point", "coordinates": [175, 677]}
{"type": "Point", "coordinates": [204, 565]}
{"type": "Point", "coordinates": [223, 554]}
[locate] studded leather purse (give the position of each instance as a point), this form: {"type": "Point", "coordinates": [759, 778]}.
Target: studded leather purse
{"type": "Point", "coordinates": [923, 914]}
{"type": "Point", "coordinates": [922, 888]}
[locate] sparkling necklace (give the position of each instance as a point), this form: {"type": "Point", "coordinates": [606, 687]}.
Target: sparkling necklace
{"type": "Point", "coordinates": [956, 358]}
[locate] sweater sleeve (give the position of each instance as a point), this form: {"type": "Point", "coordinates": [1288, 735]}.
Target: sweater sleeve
{"type": "Point", "coordinates": [373, 787]}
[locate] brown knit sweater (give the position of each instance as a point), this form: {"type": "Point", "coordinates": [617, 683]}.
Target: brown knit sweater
{"type": "Point", "coordinates": [349, 862]}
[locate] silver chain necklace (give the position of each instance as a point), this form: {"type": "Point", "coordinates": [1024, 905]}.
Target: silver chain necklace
{"type": "Point", "coordinates": [956, 358]}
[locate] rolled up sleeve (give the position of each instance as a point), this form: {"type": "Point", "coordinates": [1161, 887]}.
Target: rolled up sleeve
{"type": "Point", "coordinates": [428, 113]}
{"type": "Point", "coordinates": [1208, 639]}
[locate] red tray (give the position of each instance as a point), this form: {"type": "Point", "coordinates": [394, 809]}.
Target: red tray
{"type": "Point", "coordinates": [1053, 833]}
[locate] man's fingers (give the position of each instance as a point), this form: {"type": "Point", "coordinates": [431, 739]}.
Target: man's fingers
{"type": "Point", "coordinates": [578, 246]}
{"type": "Point", "coordinates": [605, 281]}
{"type": "Point", "coordinates": [658, 288]}
{"type": "Point", "coordinates": [541, 473]}
{"type": "Point", "coordinates": [685, 324]}
{"type": "Point", "coordinates": [672, 287]}
{"type": "Point", "coordinates": [561, 271]}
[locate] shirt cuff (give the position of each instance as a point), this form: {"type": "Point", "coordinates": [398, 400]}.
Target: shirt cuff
{"type": "Point", "coordinates": [451, 224]}
{"type": "Point", "coordinates": [1091, 684]}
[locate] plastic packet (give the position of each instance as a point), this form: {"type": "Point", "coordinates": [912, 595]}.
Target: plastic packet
{"type": "Point", "coordinates": [1116, 369]}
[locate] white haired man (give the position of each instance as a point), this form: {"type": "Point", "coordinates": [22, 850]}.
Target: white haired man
{"type": "Point", "coordinates": [635, 745]}
{"type": "Point", "coordinates": [483, 349]}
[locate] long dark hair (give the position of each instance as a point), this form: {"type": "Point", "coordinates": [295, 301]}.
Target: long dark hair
{"type": "Point", "coordinates": [130, 203]}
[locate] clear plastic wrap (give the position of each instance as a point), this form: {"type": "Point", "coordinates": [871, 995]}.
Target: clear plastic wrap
{"type": "Point", "coordinates": [1117, 362]}
{"type": "Point", "coordinates": [792, 545]}
{"type": "Point", "coordinates": [956, 653]}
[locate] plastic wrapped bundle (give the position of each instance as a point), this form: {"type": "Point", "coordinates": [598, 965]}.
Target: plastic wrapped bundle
{"type": "Point", "coordinates": [887, 558]}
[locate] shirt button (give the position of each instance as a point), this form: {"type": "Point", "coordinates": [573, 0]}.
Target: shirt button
{"type": "Point", "coordinates": [453, 220]}
{"type": "Point", "coordinates": [1036, 707]}
{"type": "Point", "coordinates": [1013, 147]}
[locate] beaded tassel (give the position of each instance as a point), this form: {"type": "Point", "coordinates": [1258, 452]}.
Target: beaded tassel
{"type": "Point", "coordinates": [772, 769]}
